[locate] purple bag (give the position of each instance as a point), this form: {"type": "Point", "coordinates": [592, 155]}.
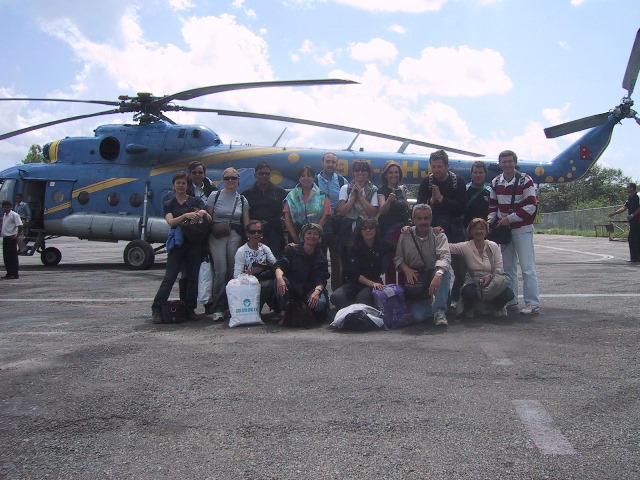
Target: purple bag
{"type": "Point", "coordinates": [391, 302]}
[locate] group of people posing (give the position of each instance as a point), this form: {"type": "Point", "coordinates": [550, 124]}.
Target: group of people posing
{"type": "Point", "coordinates": [285, 239]}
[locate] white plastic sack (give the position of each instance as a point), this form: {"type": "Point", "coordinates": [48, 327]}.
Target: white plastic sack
{"type": "Point", "coordinates": [243, 294]}
{"type": "Point", "coordinates": [372, 313]}
{"type": "Point", "coordinates": [205, 283]}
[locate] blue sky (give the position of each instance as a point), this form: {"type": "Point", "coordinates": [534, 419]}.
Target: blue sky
{"type": "Point", "coordinates": [481, 75]}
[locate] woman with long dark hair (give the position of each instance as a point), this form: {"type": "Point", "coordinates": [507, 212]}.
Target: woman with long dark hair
{"type": "Point", "coordinates": [364, 260]}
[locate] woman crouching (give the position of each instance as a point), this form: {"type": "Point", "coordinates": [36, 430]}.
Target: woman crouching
{"type": "Point", "coordinates": [365, 259]}
{"type": "Point", "coordinates": [302, 273]}
{"type": "Point", "coordinates": [255, 258]}
{"type": "Point", "coordinates": [484, 262]}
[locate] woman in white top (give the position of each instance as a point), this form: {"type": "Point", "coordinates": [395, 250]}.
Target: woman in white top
{"type": "Point", "coordinates": [225, 205]}
{"type": "Point", "coordinates": [255, 258]}
{"type": "Point", "coordinates": [484, 261]}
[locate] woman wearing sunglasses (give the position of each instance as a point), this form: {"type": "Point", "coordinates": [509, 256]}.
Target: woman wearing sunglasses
{"type": "Point", "coordinates": [305, 204]}
{"type": "Point", "coordinates": [230, 213]}
{"type": "Point", "coordinates": [364, 263]}
{"type": "Point", "coordinates": [255, 258]}
{"type": "Point", "coordinates": [358, 199]}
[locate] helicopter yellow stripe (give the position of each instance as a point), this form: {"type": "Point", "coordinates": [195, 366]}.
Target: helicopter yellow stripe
{"type": "Point", "coordinates": [227, 156]}
{"type": "Point", "coordinates": [62, 206]}
{"type": "Point", "coordinates": [96, 187]}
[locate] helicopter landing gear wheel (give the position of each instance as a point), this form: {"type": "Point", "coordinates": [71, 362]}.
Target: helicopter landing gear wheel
{"type": "Point", "coordinates": [139, 255]}
{"type": "Point", "coordinates": [50, 257]}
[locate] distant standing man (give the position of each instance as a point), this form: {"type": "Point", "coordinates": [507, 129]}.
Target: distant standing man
{"type": "Point", "coordinates": [330, 184]}
{"type": "Point", "coordinates": [265, 204]}
{"type": "Point", "coordinates": [22, 208]}
{"type": "Point", "coordinates": [434, 249]}
{"type": "Point", "coordinates": [445, 193]}
{"type": "Point", "coordinates": [632, 205]}
{"type": "Point", "coordinates": [11, 229]}
{"type": "Point", "coordinates": [520, 219]}
{"type": "Point", "coordinates": [199, 185]}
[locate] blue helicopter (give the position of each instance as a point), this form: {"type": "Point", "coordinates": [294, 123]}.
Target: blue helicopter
{"type": "Point", "coordinates": [111, 186]}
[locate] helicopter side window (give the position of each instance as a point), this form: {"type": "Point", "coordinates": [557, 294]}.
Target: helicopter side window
{"type": "Point", "coordinates": [135, 200]}
{"type": "Point", "coordinates": [113, 199]}
{"type": "Point", "coordinates": [6, 190]}
{"type": "Point", "coordinates": [109, 148]}
{"type": "Point", "coordinates": [83, 197]}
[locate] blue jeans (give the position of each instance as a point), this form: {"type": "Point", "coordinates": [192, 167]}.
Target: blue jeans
{"type": "Point", "coordinates": [421, 310]}
{"type": "Point", "coordinates": [520, 250]}
{"type": "Point", "coordinates": [282, 299]}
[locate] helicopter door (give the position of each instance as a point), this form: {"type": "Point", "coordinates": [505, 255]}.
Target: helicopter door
{"type": "Point", "coordinates": [175, 139]}
{"type": "Point", "coordinates": [33, 193]}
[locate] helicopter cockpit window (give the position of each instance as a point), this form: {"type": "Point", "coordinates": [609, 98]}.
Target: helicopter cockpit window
{"type": "Point", "coordinates": [83, 197]}
{"type": "Point", "coordinates": [6, 190]}
{"type": "Point", "coordinates": [195, 134]}
{"type": "Point", "coordinates": [135, 200]}
{"type": "Point", "coordinates": [113, 199]}
{"type": "Point", "coordinates": [109, 148]}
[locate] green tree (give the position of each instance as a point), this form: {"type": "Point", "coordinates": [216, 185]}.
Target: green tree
{"type": "Point", "coordinates": [35, 155]}
{"type": "Point", "coordinates": [601, 187]}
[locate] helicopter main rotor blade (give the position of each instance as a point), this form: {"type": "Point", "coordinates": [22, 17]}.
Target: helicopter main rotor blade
{"type": "Point", "coordinates": [199, 92]}
{"type": "Point", "coordinates": [97, 102]}
{"type": "Point", "coordinates": [262, 116]}
{"type": "Point", "coordinates": [576, 125]}
{"type": "Point", "coordinates": [55, 122]}
{"type": "Point", "coordinates": [631, 75]}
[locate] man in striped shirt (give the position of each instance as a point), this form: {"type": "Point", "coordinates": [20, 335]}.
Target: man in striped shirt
{"type": "Point", "coordinates": [520, 218]}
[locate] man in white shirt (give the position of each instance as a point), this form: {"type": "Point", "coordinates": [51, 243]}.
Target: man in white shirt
{"type": "Point", "coordinates": [11, 229]}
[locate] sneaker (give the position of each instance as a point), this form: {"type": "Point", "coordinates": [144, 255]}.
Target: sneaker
{"type": "Point", "coordinates": [440, 319]}
{"type": "Point", "coordinates": [512, 303]}
{"type": "Point", "coordinates": [156, 318]}
{"type": "Point", "coordinates": [218, 316]}
{"type": "Point", "coordinates": [530, 310]}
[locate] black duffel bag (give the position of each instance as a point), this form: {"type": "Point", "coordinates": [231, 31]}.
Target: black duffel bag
{"type": "Point", "coordinates": [500, 234]}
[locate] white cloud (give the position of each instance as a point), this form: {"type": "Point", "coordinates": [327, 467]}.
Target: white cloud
{"type": "Point", "coordinates": [375, 50]}
{"type": "Point", "coordinates": [556, 115]}
{"type": "Point", "coordinates": [181, 4]}
{"type": "Point", "coordinates": [577, 3]}
{"type": "Point", "coordinates": [449, 71]}
{"type": "Point", "coordinates": [409, 6]}
{"type": "Point", "coordinates": [398, 29]}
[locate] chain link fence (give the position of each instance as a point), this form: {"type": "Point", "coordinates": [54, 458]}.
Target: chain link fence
{"type": "Point", "coordinates": [591, 219]}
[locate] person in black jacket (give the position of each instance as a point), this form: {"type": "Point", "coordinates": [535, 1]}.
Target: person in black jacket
{"type": "Point", "coordinates": [176, 210]}
{"type": "Point", "coordinates": [198, 184]}
{"type": "Point", "coordinates": [363, 268]}
{"type": "Point", "coordinates": [445, 192]}
{"type": "Point", "coordinates": [265, 203]}
{"type": "Point", "coordinates": [302, 271]}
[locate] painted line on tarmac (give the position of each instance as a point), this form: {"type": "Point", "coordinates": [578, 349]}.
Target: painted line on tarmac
{"type": "Point", "coordinates": [586, 295]}
{"type": "Point", "coordinates": [495, 353]}
{"type": "Point", "coordinates": [599, 255]}
{"type": "Point", "coordinates": [545, 435]}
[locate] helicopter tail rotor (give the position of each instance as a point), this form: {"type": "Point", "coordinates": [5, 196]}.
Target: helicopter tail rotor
{"type": "Point", "coordinates": [621, 111]}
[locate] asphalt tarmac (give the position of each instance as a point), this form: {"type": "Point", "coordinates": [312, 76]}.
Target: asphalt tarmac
{"type": "Point", "coordinates": [91, 389]}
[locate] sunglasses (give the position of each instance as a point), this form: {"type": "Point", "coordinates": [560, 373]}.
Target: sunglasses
{"type": "Point", "coordinates": [255, 232]}
{"type": "Point", "coordinates": [228, 179]}
{"type": "Point", "coordinates": [368, 228]}
{"type": "Point", "coordinates": [263, 174]}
